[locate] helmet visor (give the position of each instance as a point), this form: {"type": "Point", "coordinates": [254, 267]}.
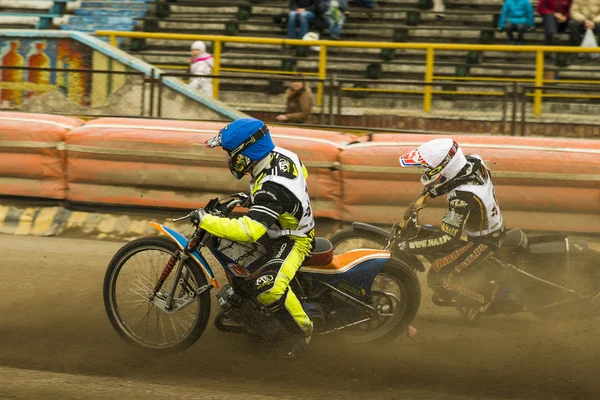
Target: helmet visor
{"type": "Point", "coordinates": [413, 159]}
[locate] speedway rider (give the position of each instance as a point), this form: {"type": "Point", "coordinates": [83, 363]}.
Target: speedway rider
{"type": "Point", "coordinates": [471, 231]}
{"type": "Point", "coordinates": [280, 208]}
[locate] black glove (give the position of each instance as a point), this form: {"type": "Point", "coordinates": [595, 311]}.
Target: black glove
{"type": "Point", "coordinates": [401, 246]}
{"type": "Point", "coordinates": [196, 216]}
{"type": "Point", "coordinates": [243, 196]}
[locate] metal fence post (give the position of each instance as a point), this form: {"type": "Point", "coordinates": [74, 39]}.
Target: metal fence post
{"type": "Point", "coordinates": [332, 79]}
{"type": "Point", "coordinates": [539, 81]}
{"type": "Point", "coordinates": [504, 107]}
{"type": "Point", "coordinates": [160, 89]}
{"type": "Point", "coordinates": [428, 79]}
{"type": "Point", "coordinates": [322, 73]}
{"type": "Point", "coordinates": [322, 113]}
{"type": "Point", "coordinates": [523, 110]}
{"type": "Point", "coordinates": [339, 101]}
{"type": "Point", "coordinates": [143, 105]}
{"type": "Point", "coordinates": [217, 68]}
{"type": "Point", "coordinates": [151, 113]}
{"type": "Point", "coordinates": [515, 99]}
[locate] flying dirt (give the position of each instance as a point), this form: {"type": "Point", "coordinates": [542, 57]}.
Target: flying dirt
{"type": "Point", "coordinates": [57, 342]}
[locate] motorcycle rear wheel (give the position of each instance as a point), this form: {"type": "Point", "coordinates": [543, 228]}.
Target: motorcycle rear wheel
{"type": "Point", "coordinates": [403, 303]}
{"type": "Point", "coordinates": [350, 239]}
{"type": "Point", "coordinates": [128, 283]}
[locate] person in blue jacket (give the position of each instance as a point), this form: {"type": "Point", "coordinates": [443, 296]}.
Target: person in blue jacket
{"type": "Point", "coordinates": [517, 15]}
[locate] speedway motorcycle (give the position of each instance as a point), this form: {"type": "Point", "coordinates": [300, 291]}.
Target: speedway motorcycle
{"type": "Point", "coordinates": [157, 289]}
{"type": "Point", "coordinates": [551, 276]}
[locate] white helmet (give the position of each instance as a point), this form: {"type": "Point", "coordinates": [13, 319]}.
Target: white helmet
{"type": "Point", "coordinates": [199, 45]}
{"type": "Point", "coordinates": [440, 159]}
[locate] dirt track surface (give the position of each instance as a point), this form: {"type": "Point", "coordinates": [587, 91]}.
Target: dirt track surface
{"type": "Point", "coordinates": [58, 343]}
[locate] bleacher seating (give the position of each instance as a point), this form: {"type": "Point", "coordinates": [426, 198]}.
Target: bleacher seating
{"type": "Point", "coordinates": [118, 15]}
{"type": "Point", "coordinates": [466, 21]}
{"type": "Point", "coordinates": [37, 14]}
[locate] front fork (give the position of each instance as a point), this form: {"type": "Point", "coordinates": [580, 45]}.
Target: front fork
{"type": "Point", "coordinates": [179, 258]}
{"type": "Point", "coordinates": [171, 294]}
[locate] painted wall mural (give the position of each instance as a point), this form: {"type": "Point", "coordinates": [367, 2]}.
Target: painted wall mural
{"type": "Point", "coordinates": [20, 84]}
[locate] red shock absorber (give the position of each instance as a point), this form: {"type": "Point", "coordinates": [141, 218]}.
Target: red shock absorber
{"type": "Point", "coordinates": [166, 271]}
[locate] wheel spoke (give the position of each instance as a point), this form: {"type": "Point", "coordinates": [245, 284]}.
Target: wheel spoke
{"type": "Point", "coordinates": [132, 290]}
{"type": "Point", "coordinates": [175, 330]}
{"type": "Point", "coordinates": [386, 298]}
{"type": "Point", "coordinates": [150, 305]}
{"type": "Point", "coordinates": [142, 294]}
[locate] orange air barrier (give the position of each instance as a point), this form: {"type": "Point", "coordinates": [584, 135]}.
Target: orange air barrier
{"type": "Point", "coordinates": [541, 183]}
{"type": "Point", "coordinates": [31, 155]}
{"type": "Point", "coordinates": [157, 163]}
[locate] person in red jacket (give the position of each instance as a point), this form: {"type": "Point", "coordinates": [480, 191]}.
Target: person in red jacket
{"type": "Point", "coordinates": [555, 14]}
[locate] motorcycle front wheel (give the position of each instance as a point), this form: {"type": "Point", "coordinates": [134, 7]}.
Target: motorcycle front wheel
{"type": "Point", "coordinates": [128, 297]}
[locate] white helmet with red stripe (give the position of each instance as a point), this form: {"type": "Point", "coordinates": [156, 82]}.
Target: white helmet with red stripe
{"type": "Point", "coordinates": [440, 159]}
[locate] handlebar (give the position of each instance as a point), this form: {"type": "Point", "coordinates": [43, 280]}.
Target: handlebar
{"type": "Point", "coordinates": [410, 220]}
{"type": "Point", "coordinates": [215, 206]}
{"type": "Point", "coordinates": [182, 218]}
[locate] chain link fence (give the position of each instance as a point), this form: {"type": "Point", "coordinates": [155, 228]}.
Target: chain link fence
{"type": "Point", "coordinates": [73, 92]}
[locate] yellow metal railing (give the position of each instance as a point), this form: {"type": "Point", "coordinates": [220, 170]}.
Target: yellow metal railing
{"type": "Point", "coordinates": [430, 49]}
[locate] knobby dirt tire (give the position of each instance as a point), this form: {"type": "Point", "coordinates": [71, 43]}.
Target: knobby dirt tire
{"type": "Point", "coordinates": [412, 292]}
{"type": "Point", "coordinates": [410, 289]}
{"type": "Point", "coordinates": [348, 234]}
{"type": "Point", "coordinates": [127, 251]}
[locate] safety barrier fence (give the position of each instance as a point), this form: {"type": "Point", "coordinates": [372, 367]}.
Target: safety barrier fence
{"type": "Point", "coordinates": [541, 183]}
{"type": "Point", "coordinates": [79, 90]}
{"type": "Point", "coordinates": [528, 91]}
{"type": "Point", "coordinates": [323, 45]}
{"type": "Point", "coordinates": [133, 94]}
{"type": "Point", "coordinates": [335, 90]}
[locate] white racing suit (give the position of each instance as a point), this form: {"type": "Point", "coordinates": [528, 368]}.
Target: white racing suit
{"type": "Point", "coordinates": [472, 230]}
{"type": "Point", "coordinates": [281, 209]}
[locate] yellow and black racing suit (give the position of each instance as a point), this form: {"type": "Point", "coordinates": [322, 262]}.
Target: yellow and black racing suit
{"type": "Point", "coordinates": [472, 230]}
{"type": "Point", "coordinates": [281, 208]}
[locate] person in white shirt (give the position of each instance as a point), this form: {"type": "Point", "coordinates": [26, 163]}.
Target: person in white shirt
{"type": "Point", "coordinates": [201, 63]}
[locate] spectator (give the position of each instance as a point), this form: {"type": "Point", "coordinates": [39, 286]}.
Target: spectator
{"type": "Point", "coordinates": [299, 102]}
{"type": "Point", "coordinates": [302, 12]}
{"type": "Point", "coordinates": [555, 14]}
{"type": "Point", "coordinates": [201, 63]}
{"type": "Point", "coordinates": [335, 14]}
{"type": "Point", "coordinates": [585, 14]}
{"type": "Point", "coordinates": [366, 3]}
{"type": "Point", "coordinates": [517, 15]}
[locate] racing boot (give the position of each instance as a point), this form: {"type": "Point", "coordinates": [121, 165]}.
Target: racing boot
{"type": "Point", "coordinates": [297, 346]}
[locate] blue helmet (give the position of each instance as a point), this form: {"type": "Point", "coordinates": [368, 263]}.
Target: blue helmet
{"type": "Point", "coordinates": [246, 140]}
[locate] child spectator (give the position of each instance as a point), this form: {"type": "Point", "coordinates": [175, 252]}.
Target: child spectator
{"type": "Point", "coordinates": [336, 17]}
{"type": "Point", "coordinates": [201, 63]}
{"type": "Point", "coordinates": [517, 15]}
{"type": "Point", "coordinates": [302, 11]}
{"type": "Point", "coordinates": [299, 102]}
{"type": "Point", "coordinates": [585, 14]}
{"type": "Point", "coordinates": [555, 14]}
